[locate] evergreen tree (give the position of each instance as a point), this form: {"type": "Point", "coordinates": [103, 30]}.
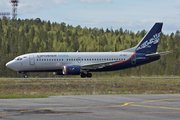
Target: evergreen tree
{"type": "Point", "coordinates": [48, 26]}
{"type": "Point", "coordinates": [1, 28]}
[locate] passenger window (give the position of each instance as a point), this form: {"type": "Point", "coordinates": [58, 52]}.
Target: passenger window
{"type": "Point", "coordinates": [39, 59]}
{"type": "Point", "coordinates": [42, 59]}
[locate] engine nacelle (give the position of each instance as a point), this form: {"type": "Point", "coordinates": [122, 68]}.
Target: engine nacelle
{"type": "Point", "coordinates": [71, 70]}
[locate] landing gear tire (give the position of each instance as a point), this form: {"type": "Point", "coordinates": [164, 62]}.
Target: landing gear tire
{"type": "Point", "coordinates": [83, 75]}
{"type": "Point", "coordinates": [89, 75]}
{"type": "Point", "coordinates": [25, 75]}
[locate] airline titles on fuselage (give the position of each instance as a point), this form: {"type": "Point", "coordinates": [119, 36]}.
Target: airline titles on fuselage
{"type": "Point", "coordinates": [40, 56]}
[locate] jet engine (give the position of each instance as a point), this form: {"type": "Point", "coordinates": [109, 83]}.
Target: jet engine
{"type": "Point", "coordinates": [71, 70]}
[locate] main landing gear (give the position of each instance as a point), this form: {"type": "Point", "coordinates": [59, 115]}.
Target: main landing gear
{"type": "Point", "coordinates": [83, 75]}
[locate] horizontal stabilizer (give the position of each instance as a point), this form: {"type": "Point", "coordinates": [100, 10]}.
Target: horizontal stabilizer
{"type": "Point", "coordinates": [158, 54]}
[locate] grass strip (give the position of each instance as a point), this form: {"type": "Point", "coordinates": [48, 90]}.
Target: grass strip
{"type": "Point", "coordinates": [22, 88]}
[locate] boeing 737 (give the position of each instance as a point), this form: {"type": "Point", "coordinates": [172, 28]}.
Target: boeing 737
{"type": "Point", "coordinates": [83, 63]}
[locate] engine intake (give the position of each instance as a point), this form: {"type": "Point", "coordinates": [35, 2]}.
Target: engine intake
{"type": "Point", "coordinates": [71, 70]}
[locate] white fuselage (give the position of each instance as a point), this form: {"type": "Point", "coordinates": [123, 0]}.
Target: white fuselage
{"type": "Point", "coordinates": [54, 61]}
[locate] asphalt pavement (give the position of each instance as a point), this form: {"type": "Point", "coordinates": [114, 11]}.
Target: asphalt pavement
{"type": "Point", "coordinates": [93, 107]}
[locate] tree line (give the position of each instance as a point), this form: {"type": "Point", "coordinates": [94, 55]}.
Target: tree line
{"type": "Point", "coordinates": [19, 37]}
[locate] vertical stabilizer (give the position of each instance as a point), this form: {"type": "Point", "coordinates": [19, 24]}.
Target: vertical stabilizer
{"type": "Point", "coordinates": [150, 41]}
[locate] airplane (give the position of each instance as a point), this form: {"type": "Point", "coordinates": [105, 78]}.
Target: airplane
{"type": "Point", "coordinates": [82, 63]}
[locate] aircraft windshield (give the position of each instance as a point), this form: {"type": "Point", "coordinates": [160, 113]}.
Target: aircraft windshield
{"type": "Point", "coordinates": [18, 58]}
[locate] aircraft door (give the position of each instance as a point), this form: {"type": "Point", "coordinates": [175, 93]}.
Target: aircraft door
{"type": "Point", "coordinates": [31, 60]}
{"type": "Point", "coordinates": [78, 60]}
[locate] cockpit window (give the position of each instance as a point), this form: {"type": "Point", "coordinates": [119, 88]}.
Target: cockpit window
{"type": "Point", "coordinates": [15, 58]}
{"type": "Point", "coordinates": [18, 58]}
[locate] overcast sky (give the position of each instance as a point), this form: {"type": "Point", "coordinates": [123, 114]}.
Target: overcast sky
{"type": "Point", "coordinates": [133, 15]}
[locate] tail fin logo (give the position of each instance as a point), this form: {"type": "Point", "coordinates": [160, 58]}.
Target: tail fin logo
{"type": "Point", "coordinates": [147, 44]}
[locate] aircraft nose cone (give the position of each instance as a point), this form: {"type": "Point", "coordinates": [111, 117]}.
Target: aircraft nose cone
{"type": "Point", "coordinates": [9, 65]}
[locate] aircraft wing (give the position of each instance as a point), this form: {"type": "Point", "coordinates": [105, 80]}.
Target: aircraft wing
{"type": "Point", "coordinates": [158, 54]}
{"type": "Point", "coordinates": [98, 65]}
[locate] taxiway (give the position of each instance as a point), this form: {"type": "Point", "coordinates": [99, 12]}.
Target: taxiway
{"type": "Point", "coordinates": [93, 107]}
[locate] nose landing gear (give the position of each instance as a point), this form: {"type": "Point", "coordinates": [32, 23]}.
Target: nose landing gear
{"type": "Point", "coordinates": [25, 75]}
